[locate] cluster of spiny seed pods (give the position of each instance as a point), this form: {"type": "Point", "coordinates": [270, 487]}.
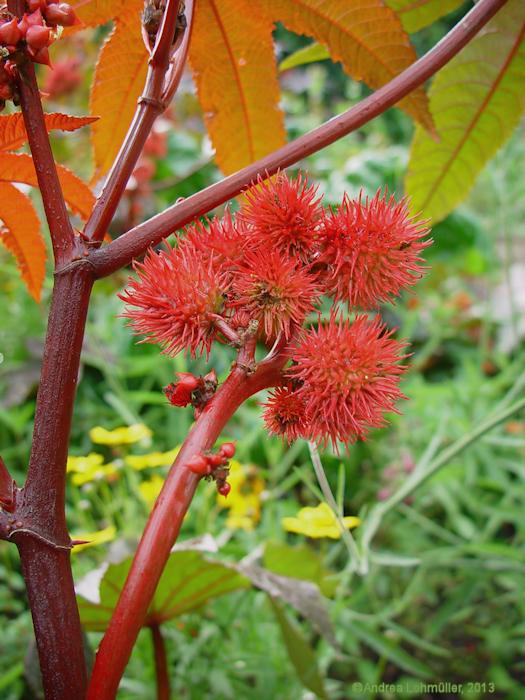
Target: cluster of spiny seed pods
{"type": "Point", "coordinates": [266, 270]}
{"type": "Point", "coordinates": [30, 36]}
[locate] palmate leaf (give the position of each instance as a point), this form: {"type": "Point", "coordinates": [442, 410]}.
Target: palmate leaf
{"type": "Point", "coordinates": [232, 57]}
{"type": "Point", "coordinates": [366, 36]}
{"type": "Point", "coordinates": [476, 100]}
{"type": "Point", "coordinates": [118, 82]}
{"type": "Point", "coordinates": [13, 132]}
{"type": "Point", "coordinates": [416, 14]}
{"type": "Point", "coordinates": [20, 234]}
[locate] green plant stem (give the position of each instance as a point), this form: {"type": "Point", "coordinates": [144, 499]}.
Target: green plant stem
{"type": "Point", "coordinates": [420, 475]}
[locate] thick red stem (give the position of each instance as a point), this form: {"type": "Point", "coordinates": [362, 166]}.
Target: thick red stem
{"type": "Point", "coordinates": [163, 527]}
{"type": "Point", "coordinates": [135, 242]}
{"type": "Point", "coordinates": [152, 103]}
{"type": "Point", "coordinates": [161, 663]}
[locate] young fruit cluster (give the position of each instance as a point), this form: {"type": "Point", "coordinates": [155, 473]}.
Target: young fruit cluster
{"type": "Point", "coordinates": [265, 270]}
{"type": "Point", "coordinates": [214, 465]}
{"type": "Point", "coordinates": [31, 36]}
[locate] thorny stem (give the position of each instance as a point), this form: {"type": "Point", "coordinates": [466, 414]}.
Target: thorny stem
{"type": "Point", "coordinates": [136, 241]}
{"type": "Point", "coordinates": [165, 521]}
{"type": "Point", "coordinates": [156, 96]}
{"type": "Point", "coordinates": [161, 663]}
{"type": "Point", "coordinates": [62, 236]}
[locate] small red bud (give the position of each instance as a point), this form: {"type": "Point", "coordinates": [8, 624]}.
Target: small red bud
{"type": "Point", "coordinates": [23, 26]}
{"type": "Point", "coordinates": [38, 37]}
{"type": "Point", "coordinates": [10, 34]}
{"type": "Point", "coordinates": [35, 19]}
{"type": "Point", "coordinates": [41, 56]}
{"type": "Point", "coordinates": [198, 464]}
{"type": "Point", "coordinates": [187, 380]}
{"type": "Point", "coordinates": [61, 13]}
{"type": "Point", "coordinates": [215, 460]}
{"type": "Point", "coordinates": [224, 489]}
{"type": "Point", "coordinates": [6, 91]}
{"type": "Point", "coordinates": [227, 450]}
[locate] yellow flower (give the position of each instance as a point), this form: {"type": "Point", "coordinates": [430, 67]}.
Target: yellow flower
{"type": "Point", "coordinates": [94, 538]}
{"type": "Point", "coordinates": [84, 464]}
{"type": "Point", "coordinates": [244, 499]}
{"type": "Point", "coordinates": [125, 435]}
{"type": "Point", "coordinates": [153, 459]}
{"type": "Point", "coordinates": [149, 490]}
{"type": "Point", "coordinates": [91, 468]}
{"type": "Point", "coordinates": [318, 522]}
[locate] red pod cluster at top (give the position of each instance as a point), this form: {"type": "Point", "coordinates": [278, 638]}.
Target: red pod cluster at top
{"type": "Point", "coordinates": [33, 34]}
{"type": "Point", "coordinates": [270, 266]}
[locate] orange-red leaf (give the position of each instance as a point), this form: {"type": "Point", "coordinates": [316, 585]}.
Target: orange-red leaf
{"type": "Point", "coordinates": [13, 132]}
{"type": "Point", "coordinates": [365, 35]}
{"type": "Point", "coordinates": [118, 82]}
{"type": "Point", "coordinates": [233, 61]}
{"type": "Point", "coordinates": [94, 12]}
{"type": "Point", "coordinates": [21, 236]}
{"type": "Point", "coordinates": [19, 167]}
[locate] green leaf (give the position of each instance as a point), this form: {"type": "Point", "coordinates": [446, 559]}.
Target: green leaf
{"type": "Point", "coordinates": [308, 54]}
{"type": "Point", "coordinates": [476, 101]}
{"type": "Point", "coordinates": [392, 651]}
{"type": "Point", "coordinates": [188, 581]}
{"type": "Point", "coordinates": [299, 562]}
{"type": "Point", "coordinates": [300, 652]}
{"type": "Point", "coordinates": [416, 14]}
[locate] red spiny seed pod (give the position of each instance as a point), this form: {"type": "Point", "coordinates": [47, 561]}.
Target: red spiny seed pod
{"type": "Point", "coordinates": [222, 240]}
{"type": "Point", "coordinates": [371, 250]}
{"type": "Point", "coordinates": [10, 34]}
{"type": "Point", "coordinates": [227, 449]}
{"type": "Point", "coordinates": [349, 374]}
{"type": "Point", "coordinates": [199, 464]}
{"type": "Point", "coordinates": [285, 413]}
{"type": "Point", "coordinates": [38, 37]}
{"type": "Point", "coordinates": [271, 288]}
{"type": "Point", "coordinates": [172, 299]}
{"type": "Point", "coordinates": [224, 489]}
{"type": "Point", "coordinates": [284, 213]}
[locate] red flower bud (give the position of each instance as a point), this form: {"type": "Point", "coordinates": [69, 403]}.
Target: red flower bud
{"type": "Point", "coordinates": [224, 489]}
{"type": "Point", "coordinates": [179, 392]}
{"type": "Point", "coordinates": [198, 464]}
{"type": "Point", "coordinates": [62, 14]}
{"type": "Point", "coordinates": [38, 37]}
{"type": "Point", "coordinates": [6, 91]}
{"type": "Point", "coordinates": [35, 19]}
{"type": "Point", "coordinates": [41, 56]}
{"type": "Point", "coordinates": [215, 460]}
{"type": "Point", "coordinates": [227, 450]}
{"type": "Point", "coordinates": [10, 34]}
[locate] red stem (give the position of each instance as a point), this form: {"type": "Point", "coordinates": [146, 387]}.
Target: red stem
{"type": "Point", "coordinates": [152, 103]}
{"type": "Point", "coordinates": [135, 242]}
{"type": "Point", "coordinates": [161, 663]}
{"type": "Point", "coordinates": [62, 236]}
{"type": "Point", "coordinates": [163, 527]}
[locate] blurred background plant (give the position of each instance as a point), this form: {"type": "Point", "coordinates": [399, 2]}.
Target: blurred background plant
{"type": "Point", "coordinates": [441, 598]}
